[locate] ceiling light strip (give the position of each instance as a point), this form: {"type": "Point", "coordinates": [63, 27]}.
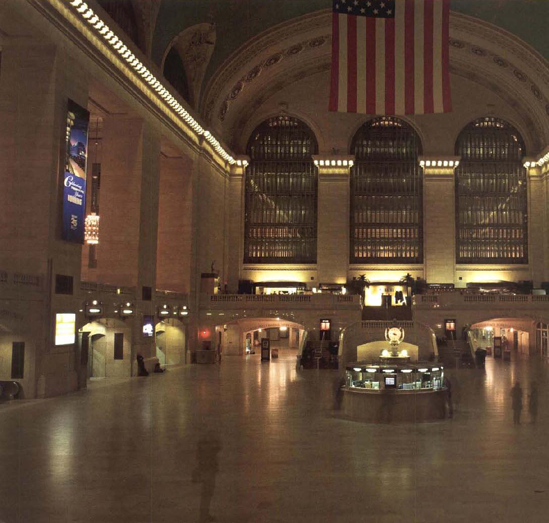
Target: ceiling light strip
{"type": "Point", "coordinates": [147, 77]}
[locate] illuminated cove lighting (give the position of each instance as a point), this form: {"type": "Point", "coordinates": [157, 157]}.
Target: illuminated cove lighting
{"type": "Point", "coordinates": [102, 30]}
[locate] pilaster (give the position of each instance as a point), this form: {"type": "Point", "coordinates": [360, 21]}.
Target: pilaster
{"type": "Point", "coordinates": [439, 218]}
{"type": "Point", "coordinates": [333, 217]}
{"type": "Point", "coordinates": [235, 220]}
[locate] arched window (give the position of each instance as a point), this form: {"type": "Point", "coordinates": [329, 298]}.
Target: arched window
{"type": "Point", "coordinates": [491, 211]}
{"type": "Point", "coordinates": [386, 194]}
{"type": "Point", "coordinates": [281, 193]}
{"type": "Point", "coordinates": [122, 12]}
{"type": "Point", "coordinates": [174, 72]}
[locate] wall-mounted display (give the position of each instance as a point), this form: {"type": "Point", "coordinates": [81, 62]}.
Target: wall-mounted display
{"type": "Point", "coordinates": [148, 326]}
{"type": "Point", "coordinates": [65, 329]}
{"type": "Point", "coordinates": [74, 176]}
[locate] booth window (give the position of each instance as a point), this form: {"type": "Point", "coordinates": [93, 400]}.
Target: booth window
{"type": "Point", "coordinates": [491, 202]}
{"type": "Point", "coordinates": [281, 193]}
{"type": "Point", "coordinates": [386, 194]}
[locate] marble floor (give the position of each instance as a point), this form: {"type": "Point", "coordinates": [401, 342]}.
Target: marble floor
{"type": "Point", "coordinates": [250, 442]}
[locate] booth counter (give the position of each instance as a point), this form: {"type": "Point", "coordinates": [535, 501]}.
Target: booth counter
{"type": "Point", "coordinates": [391, 393]}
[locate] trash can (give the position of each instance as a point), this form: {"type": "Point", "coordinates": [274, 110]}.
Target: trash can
{"type": "Point", "coordinates": [265, 350]}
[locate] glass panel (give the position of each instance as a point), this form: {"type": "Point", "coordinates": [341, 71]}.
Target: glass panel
{"type": "Point", "coordinates": [386, 194]}
{"type": "Point", "coordinates": [491, 205]}
{"type": "Point", "coordinates": [281, 194]}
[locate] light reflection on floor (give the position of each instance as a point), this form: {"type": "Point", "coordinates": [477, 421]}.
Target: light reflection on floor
{"type": "Point", "coordinates": [247, 441]}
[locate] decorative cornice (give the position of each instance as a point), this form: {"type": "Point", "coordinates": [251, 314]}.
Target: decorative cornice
{"type": "Point", "coordinates": [438, 167]}
{"type": "Point", "coordinates": [118, 50]}
{"type": "Point", "coordinates": [260, 44]}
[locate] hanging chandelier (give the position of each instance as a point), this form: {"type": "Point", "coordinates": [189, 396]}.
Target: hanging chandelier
{"type": "Point", "coordinates": [91, 229]}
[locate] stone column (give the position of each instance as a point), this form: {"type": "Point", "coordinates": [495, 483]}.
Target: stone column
{"type": "Point", "coordinates": [439, 218]}
{"type": "Point", "coordinates": [126, 254]}
{"type": "Point", "coordinates": [333, 217]}
{"type": "Point", "coordinates": [37, 80]}
{"type": "Point", "coordinates": [538, 237]}
{"type": "Point", "coordinates": [235, 223]}
{"type": "Point", "coordinates": [175, 225]}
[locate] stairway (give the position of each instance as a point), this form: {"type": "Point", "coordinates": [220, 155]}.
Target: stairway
{"type": "Point", "coordinates": [386, 313]}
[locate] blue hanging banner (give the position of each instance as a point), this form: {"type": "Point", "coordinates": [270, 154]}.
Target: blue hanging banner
{"type": "Point", "coordinates": [74, 178]}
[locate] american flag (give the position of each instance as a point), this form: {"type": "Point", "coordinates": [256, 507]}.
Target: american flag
{"type": "Point", "coordinates": [390, 57]}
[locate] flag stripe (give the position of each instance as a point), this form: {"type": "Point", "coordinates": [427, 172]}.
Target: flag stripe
{"type": "Point", "coordinates": [399, 63]}
{"type": "Point", "coordinates": [370, 66]}
{"type": "Point", "coordinates": [409, 57]}
{"type": "Point", "coordinates": [418, 57]}
{"type": "Point", "coordinates": [361, 65]}
{"type": "Point", "coordinates": [446, 98]}
{"type": "Point", "coordinates": [380, 65]}
{"type": "Point", "coordinates": [342, 97]}
{"type": "Point", "coordinates": [390, 66]}
{"type": "Point", "coordinates": [428, 57]}
{"type": "Point", "coordinates": [351, 64]}
{"type": "Point", "coordinates": [334, 87]}
{"type": "Point", "coordinates": [437, 59]}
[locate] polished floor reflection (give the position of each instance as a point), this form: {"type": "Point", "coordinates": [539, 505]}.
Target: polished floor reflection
{"type": "Point", "coordinates": [259, 442]}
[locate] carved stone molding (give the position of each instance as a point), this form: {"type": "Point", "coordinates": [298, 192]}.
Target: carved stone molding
{"type": "Point", "coordinates": [480, 52]}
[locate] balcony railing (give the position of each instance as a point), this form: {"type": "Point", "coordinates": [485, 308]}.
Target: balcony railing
{"type": "Point", "coordinates": [285, 301]}
{"type": "Point", "coordinates": [455, 300]}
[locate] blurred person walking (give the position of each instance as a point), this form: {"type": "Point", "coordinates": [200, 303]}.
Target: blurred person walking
{"type": "Point", "coordinates": [516, 395]}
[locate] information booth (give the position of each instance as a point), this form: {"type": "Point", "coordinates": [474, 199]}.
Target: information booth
{"type": "Point", "coordinates": [391, 393]}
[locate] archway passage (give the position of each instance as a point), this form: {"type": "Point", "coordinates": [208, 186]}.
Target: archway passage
{"type": "Point", "coordinates": [170, 341]}
{"type": "Point", "coordinates": [244, 337]}
{"type": "Point", "coordinates": [505, 338]}
{"type": "Point", "coordinates": [109, 353]}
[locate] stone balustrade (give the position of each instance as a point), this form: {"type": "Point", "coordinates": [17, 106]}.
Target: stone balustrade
{"type": "Point", "coordinates": [280, 301]}
{"type": "Point", "coordinates": [455, 300]}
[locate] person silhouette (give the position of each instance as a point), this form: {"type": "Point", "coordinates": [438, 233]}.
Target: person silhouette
{"type": "Point", "coordinates": [533, 402]}
{"type": "Point", "coordinates": [516, 396]}
{"type": "Point", "coordinates": [205, 473]}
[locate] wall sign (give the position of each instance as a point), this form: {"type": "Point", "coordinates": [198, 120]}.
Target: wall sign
{"type": "Point", "coordinates": [65, 329]}
{"type": "Point", "coordinates": [74, 176]}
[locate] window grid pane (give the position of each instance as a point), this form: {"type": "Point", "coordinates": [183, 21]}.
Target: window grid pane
{"type": "Point", "coordinates": [386, 194]}
{"type": "Point", "coordinates": [491, 201]}
{"type": "Point", "coordinates": [281, 194]}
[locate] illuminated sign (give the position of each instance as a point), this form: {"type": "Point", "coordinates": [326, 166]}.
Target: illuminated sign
{"type": "Point", "coordinates": [65, 329]}
{"type": "Point", "coordinates": [74, 178]}
{"type": "Point", "coordinates": [450, 325]}
{"type": "Point", "coordinates": [148, 326]}
{"type": "Point", "coordinates": [325, 325]}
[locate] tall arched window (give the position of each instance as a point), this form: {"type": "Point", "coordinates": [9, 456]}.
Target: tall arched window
{"type": "Point", "coordinates": [122, 12]}
{"type": "Point", "coordinates": [281, 193]}
{"type": "Point", "coordinates": [491, 206]}
{"type": "Point", "coordinates": [386, 194]}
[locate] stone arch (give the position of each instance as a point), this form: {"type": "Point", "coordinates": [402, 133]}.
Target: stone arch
{"type": "Point", "coordinates": [194, 46]}
{"type": "Point", "coordinates": [354, 130]}
{"type": "Point", "coordinates": [480, 52]}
